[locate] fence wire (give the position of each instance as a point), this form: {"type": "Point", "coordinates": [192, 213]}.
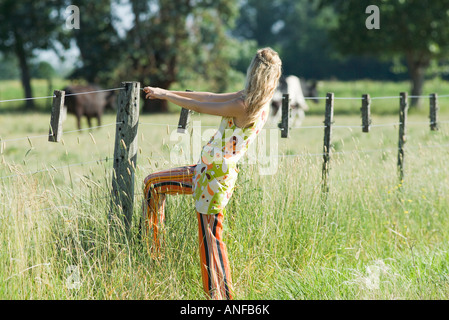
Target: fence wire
{"type": "Point", "coordinates": [56, 168]}
{"type": "Point", "coordinates": [306, 98]}
{"type": "Point", "coordinates": [202, 126]}
{"type": "Point", "coordinates": [50, 134]}
{"type": "Point", "coordinates": [67, 95]}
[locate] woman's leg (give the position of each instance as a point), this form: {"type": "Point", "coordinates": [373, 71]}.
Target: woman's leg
{"type": "Point", "coordinates": [157, 186]}
{"type": "Point", "coordinates": [215, 268]}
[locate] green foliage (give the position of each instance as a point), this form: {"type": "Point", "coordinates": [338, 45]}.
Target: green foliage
{"type": "Point", "coordinates": [43, 70]}
{"type": "Point", "coordinates": [26, 26]}
{"type": "Point", "coordinates": [98, 42]}
{"type": "Point", "coordinates": [416, 31]}
{"type": "Point", "coordinates": [32, 24]}
{"type": "Point", "coordinates": [405, 26]}
{"type": "Point", "coordinates": [299, 30]}
{"type": "Point", "coordinates": [8, 67]}
{"type": "Point", "coordinates": [177, 38]}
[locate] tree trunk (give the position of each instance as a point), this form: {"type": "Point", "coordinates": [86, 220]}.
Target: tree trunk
{"type": "Point", "coordinates": [156, 105]}
{"type": "Point", "coordinates": [25, 72]}
{"type": "Point", "coordinates": [417, 70]}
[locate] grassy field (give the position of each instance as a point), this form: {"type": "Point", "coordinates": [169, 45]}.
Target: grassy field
{"type": "Point", "coordinates": [371, 237]}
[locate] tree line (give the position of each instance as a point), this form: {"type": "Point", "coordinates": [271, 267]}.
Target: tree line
{"type": "Point", "coordinates": [172, 40]}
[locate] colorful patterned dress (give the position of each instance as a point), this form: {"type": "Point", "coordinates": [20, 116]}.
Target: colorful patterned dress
{"type": "Point", "coordinates": [216, 173]}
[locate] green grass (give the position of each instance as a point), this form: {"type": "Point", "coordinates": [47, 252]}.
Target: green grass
{"type": "Point", "coordinates": [12, 89]}
{"type": "Point", "coordinates": [371, 237]}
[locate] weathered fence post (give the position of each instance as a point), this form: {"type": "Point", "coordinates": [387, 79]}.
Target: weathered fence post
{"type": "Point", "coordinates": [55, 132]}
{"type": "Point", "coordinates": [403, 108]}
{"type": "Point", "coordinates": [434, 112]}
{"type": "Point", "coordinates": [125, 151]}
{"type": "Point", "coordinates": [366, 112]}
{"type": "Point", "coordinates": [183, 119]}
{"type": "Point", "coordinates": [328, 121]}
{"type": "Point", "coordinates": [285, 116]}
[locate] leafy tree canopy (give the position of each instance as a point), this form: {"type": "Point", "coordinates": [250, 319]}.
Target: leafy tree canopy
{"type": "Point", "coordinates": [414, 30]}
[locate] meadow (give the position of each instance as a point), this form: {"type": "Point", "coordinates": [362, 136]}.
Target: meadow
{"type": "Point", "coordinates": [371, 237]}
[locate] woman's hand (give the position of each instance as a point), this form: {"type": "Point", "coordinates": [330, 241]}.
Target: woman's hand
{"type": "Point", "coordinates": [154, 93]}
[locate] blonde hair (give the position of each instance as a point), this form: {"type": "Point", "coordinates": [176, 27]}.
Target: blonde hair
{"type": "Point", "coordinates": [262, 79]}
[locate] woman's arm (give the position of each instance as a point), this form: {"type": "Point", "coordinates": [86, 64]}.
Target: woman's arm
{"type": "Point", "coordinates": [209, 96]}
{"type": "Point", "coordinates": [231, 107]}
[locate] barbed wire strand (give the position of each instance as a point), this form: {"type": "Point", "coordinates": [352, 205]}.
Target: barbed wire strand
{"type": "Point", "coordinates": [67, 95]}
{"type": "Point", "coordinates": [89, 92]}
{"type": "Point", "coordinates": [25, 99]}
{"type": "Point", "coordinates": [413, 147]}
{"type": "Point", "coordinates": [169, 125]}
{"type": "Point", "coordinates": [96, 127]}
{"type": "Point", "coordinates": [306, 98]}
{"type": "Point", "coordinates": [279, 155]}
{"type": "Point", "coordinates": [65, 132]}
{"type": "Point", "coordinates": [56, 168]}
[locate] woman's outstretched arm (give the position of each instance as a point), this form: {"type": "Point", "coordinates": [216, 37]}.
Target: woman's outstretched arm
{"type": "Point", "coordinates": [209, 96]}
{"type": "Point", "coordinates": [232, 106]}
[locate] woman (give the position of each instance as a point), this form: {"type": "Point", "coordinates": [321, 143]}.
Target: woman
{"type": "Point", "coordinates": [211, 181]}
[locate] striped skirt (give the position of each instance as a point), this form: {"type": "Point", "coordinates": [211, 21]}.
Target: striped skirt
{"type": "Point", "coordinates": [214, 261]}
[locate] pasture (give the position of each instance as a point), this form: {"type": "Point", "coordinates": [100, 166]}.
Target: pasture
{"type": "Point", "coordinates": [372, 237]}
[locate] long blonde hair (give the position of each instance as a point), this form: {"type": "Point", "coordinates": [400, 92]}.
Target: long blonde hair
{"type": "Point", "coordinates": [262, 79]}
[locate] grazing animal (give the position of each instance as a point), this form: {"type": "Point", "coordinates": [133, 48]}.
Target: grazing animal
{"type": "Point", "coordinates": [92, 105]}
{"type": "Point", "coordinates": [296, 89]}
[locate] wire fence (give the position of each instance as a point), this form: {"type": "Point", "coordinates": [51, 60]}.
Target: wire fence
{"type": "Point", "coordinates": [350, 126]}
{"type": "Point", "coordinates": [52, 168]}
{"type": "Point", "coordinates": [67, 95]}
{"type": "Point", "coordinates": [306, 98]}
{"type": "Point", "coordinates": [393, 124]}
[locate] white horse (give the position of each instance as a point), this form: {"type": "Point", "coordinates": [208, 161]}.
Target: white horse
{"type": "Point", "coordinates": [291, 85]}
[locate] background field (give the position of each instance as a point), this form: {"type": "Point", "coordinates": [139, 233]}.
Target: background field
{"type": "Point", "coordinates": [373, 237]}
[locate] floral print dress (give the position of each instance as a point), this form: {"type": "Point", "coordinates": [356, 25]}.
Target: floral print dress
{"type": "Point", "coordinates": [216, 173]}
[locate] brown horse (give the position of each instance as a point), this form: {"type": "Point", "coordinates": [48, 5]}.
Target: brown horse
{"type": "Point", "coordinates": [81, 101]}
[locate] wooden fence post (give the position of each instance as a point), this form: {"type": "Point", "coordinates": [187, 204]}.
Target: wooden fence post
{"type": "Point", "coordinates": [366, 112]}
{"type": "Point", "coordinates": [55, 132]}
{"type": "Point", "coordinates": [403, 108]}
{"type": "Point", "coordinates": [328, 120]}
{"type": "Point", "coordinates": [183, 119]}
{"type": "Point", "coordinates": [125, 151]}
{"type": "Point", "coordinates": [434, 112]}
{"type": "Point", "coordinates": [285, 116]}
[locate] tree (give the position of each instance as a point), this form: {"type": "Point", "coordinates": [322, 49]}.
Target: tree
{"type": "Point", "coordinates": [262, 20]}
{"type": "Point", "coordinates": [303, 38]}
{"type": "Point", "coordinates": [9, 67]}
{"type": "Point", "coordinates": [98, 41]}
{"type": "Point", "coordinates": [414, 30]}
{"type": "Point", "coordinates": [299, 30]}
{"type": "Point", "coordinates": [28, 25]}
{"type": "Point", "coordinates": [174, 37]}
{"type": "Point", "coordinates": [44, 70]}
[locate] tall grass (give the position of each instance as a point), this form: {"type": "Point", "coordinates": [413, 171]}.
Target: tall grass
{"type": "Point", "coordinates": [371, 237]}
